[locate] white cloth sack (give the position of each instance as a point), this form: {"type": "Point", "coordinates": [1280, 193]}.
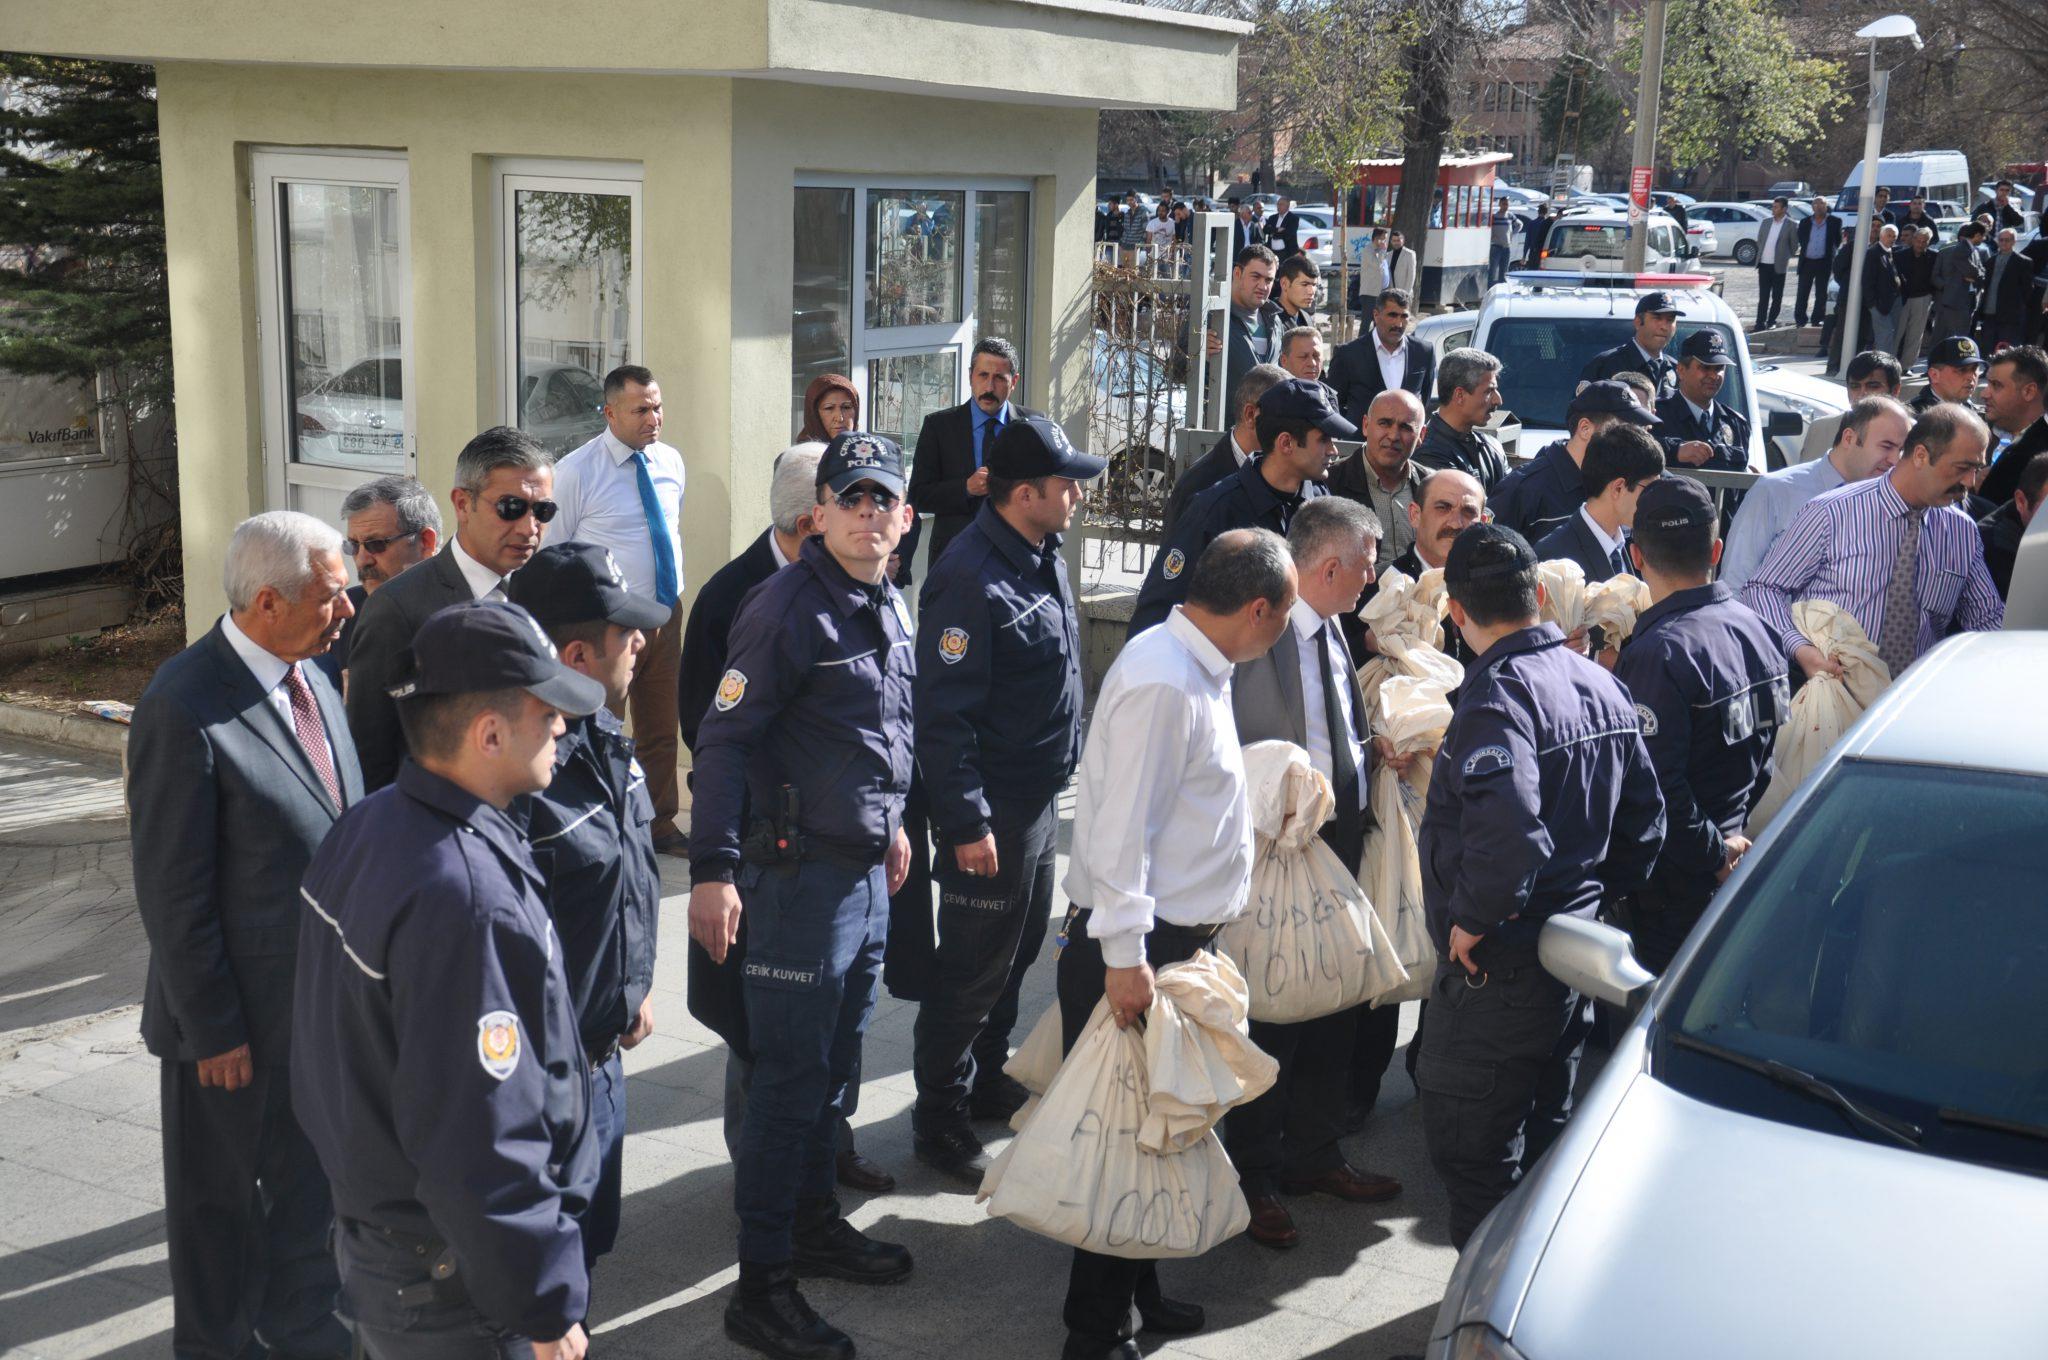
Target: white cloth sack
{"type": "Point", "coordinates": [1413, 713]}
{"type": "Point", "coordinates": [1121, 1156]}
{"type": "Point", "coordinates": [1407, 622]}
{"type": "Point", "coordinates": [1825, 707]}
{"type": "Point", "coordinates": [1614, 605]}
{"type": "Point", "coordinates": [1036, 1061]}
{"type": "Point", "coordinates": [1564, 594]}
{"type": "Point", "coordinates": [1309, 944]}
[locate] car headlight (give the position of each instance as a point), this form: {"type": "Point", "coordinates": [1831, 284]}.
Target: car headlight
{"type": "Point", "coordinates": [1477, 1341]}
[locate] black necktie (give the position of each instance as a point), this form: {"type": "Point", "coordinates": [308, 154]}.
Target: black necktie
{"type": "Point", "coordinates": [1618, 559]}
{"type": "Point", "coordinates": [1347, 834]}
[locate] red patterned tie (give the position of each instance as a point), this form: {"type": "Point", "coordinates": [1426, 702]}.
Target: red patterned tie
{"type": "Point", "coordinates": [312, 735]}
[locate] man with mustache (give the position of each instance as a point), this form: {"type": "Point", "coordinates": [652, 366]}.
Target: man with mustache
{"type": "Point", "coordinates": [1468, 386]}
{"type": "Point", "coordinates": [392, 523]}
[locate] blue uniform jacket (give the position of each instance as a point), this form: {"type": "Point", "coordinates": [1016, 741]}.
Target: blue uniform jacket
{"type": "Point", "coordinates": [1539, 495]}
{"type": "Point", "coordinates": [1244, 501]}
{"type": "Point", "coordinates": [1543, 802]}
{"type": "Point", "coordinates": [588, 830]}
{"type": "Point", "coordinates": [1627, 358]}
{"type": "Point", "coordinates": [998, 676]}
{"type": "Point", "coordinates": [1708, 679]}
{"type": "Point", "coordinates": [435, 1063]}
{"type": "Point", "coordinates": [816, 694]}
{"type": "Point", "coordinates": [1725, 430]}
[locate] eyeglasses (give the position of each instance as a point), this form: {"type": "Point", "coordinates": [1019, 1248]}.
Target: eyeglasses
{"type": "Point", "coordinates": [510, 508]}
{"type": "Point", "coordinates": [885, 501]}
{"type": "Point", "coordinates": [374, 546]}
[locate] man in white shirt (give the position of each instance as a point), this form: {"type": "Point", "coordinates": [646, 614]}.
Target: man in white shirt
{"type": "Point", "coordinates": [624, 491]}
{"type": "Point", "coordinates": [1775, 247]}
{"type": "Point", "coordinates": [1162, 854]}
{"type": "Point", "coordinates": [1866, 445]}
{"type": "Point", "coordinates": [1305, 690]}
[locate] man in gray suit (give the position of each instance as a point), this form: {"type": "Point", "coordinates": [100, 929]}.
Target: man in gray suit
{"type": "Point", "coordinates": [1958, 278]}
{"type": "Point", "coordinates": [1776, 242]}
{"type": "Point", "coordinates": [503, 481]}
{"type": "Point", "coordinates": [1305, 690]}
{"type": "Point", "coordinates": [238, 763]}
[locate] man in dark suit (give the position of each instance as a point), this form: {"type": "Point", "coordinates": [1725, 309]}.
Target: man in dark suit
{"type": "Point", "coordinates": [1819, 237]}
{"type": "Point", "coordinates": [2000, 207]}
{"type": "Point", "coordinates": [1238, 446]}
{"type": "Point", "coordinates": [391, 523]}
{"type": "Point", "coordinates": [1620, 462]}
{"type": "Point", "coordinates": [1958, 278]}
{"type": "Point", "coordinates": [1361, 369]}
{"type": "Point", "coordinates": [2008, 294]}
{"type": "Point", "coordinates": [503, 480]}
{"type": "Point", "coordinates": [1695, 426]}
{"type": "Point", "coordinates": [1881, 289]}
{"type": "Point", "coordinates": [949, 476]}
{"type": "Point", "coordinates": [2016, 408]}
{"type": "Point", "coordinates": [1245, 230]}
{"type": "Point", "coordinates": [1283, 230]}
{"type": "Point", "coordinates": [238, 764]}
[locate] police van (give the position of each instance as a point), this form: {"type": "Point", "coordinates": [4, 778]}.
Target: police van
{"type": "Point", "coordinates": [1936, 175]}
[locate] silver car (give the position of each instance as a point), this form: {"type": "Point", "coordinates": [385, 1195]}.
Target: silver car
{"type": "Point", "coordinates": [1826, 1132]}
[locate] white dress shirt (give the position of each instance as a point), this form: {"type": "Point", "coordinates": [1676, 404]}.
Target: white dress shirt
{"type": "Point", "coordinates": [1607, 545]}
{"type": "Point", "coordinates": [484, 584]}
{"type": "Point", "coordinates": [598, 490]}
{"type": "Point", "coordinates": [1162, 823]}
{"type": "Point", "coordinates": [1768, 256]}
{"type": "Point", "coordinates": [1393, 366]}
{"type": "Point", "coordinates": [1308, 627]}
{"type": "Point", "coordinates": [270, 672]}
{"type": "Point", "coordinates": [775, 547]}
{"type": "Point", "coordinates": [1241, 454]}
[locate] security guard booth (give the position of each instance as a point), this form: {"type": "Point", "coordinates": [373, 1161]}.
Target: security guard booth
{"type": "Point", "coordinates": [392, 227]}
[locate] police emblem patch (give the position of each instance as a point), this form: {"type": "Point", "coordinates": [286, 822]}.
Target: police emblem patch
{"type": "Point", "coordinates": [497, 1043]}
{"type": "Point", "coordinates": [1488, 759]}
{"type": "Point", "coordinates": [1646, 718]}
{"type": "Point", "coordinates": [1175, 560]}
{"type": "Point", "coordinates": [731, 689]}
{"type": "Point", "coordinates": [953, 646]}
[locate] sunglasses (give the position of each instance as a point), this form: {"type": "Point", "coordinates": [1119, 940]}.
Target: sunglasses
{"type": "Point", "coordinates": [511, 508]}
{"type": "Point", "coordinates": [374, 546]}
{"type": "Point", "coordinates": [851, 499]}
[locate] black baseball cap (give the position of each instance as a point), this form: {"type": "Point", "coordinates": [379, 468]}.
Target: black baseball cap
{"type": "Point", "coordinates": [567, 583]}
{"type": "Point", "coordinates": [487, 645]}
{"type": "Point", "coordinates": [1958, 351]}
{"type": "Point", "coordinates": [1482, 550]}
{"type": "Point", "coordinates": [1033, 446]}
{"type": "Point", "coordinates": [1300, 399]}
{"type": "Point", "coordinates": [1706, 347]}
{"type": "Point", "coordinates": [1608, 398]}
{"type": "Point", "coordinates": [1670, 504]}
{"type": "Point", "coordinates": [858, 456]}
{"type": "Point", "coordinates": [1658, 301]}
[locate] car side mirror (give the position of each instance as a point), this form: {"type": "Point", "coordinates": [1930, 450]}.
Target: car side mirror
{"type": "Point", "coordinates": [1594, 960]}
{"type": "Point", "coordinates": [1784, 425]}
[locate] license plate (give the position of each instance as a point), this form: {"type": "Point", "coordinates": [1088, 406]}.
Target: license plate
{"type": "Point", "coordinates": [372, 443]}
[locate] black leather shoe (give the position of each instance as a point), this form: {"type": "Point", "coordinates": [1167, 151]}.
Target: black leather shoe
{"type": "Point", "coordinates": [997, 1097]}
{"type": "Point", "coordinates": [1171, 1316]}
{"type": "Point", "coordinates": [781, 1324]}
{"type": "Point", "coordinates": [826, 1244]}
{"type": "Point", "coordinates": [1088, 1348]}
{"type": "Point", "coordinates": [856, 1172]}
{"type": "Point", "coordinates": [955, 1153]}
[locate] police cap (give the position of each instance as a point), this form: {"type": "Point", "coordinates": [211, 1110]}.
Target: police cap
{"type": "Point", "coordinates": [1671, 504]}
{"type": "Point", "coordinates": [1033, 446]}
{"type": "Point", "coordinates": [1657, 301]}
{"type": "Point", "coordinates": [568, 583]}
{"type": "Point", "coordinates": [1958, 351]}
{"type": "Point", "coordinates": [1484, 550]}
{"type": "Point", "coordinates": [858, 456]}
{"type": "Point", "coordinates": [1608, 398]}
{"type": "Point", "coordinates": [1706, 347]}
{"type": "Point", "coordinates": [1300, 399]}
{"type": "Point", "coordinates": [487, 645]}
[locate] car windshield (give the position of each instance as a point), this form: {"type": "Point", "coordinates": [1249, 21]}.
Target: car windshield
{"type": "Point", "coordinates": [1541, 357]}
{"type": "Point", "coordinates": [1894, 945]}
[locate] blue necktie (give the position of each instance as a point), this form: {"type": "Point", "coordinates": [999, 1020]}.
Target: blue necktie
{"type": "Point", "coordinates": [1618, 559]}
{"type": "Point", "coordinates": [657, 529]}
{"type": "Point", "coordinates": [986, 431]}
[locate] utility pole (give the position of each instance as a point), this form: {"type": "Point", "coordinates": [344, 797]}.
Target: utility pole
{"type": "Point", "coordinates": [1643, 162]}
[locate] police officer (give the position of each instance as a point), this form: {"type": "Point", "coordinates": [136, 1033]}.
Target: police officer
{"type": "Point", "coordinates": [436, 1063]}
{"type": "Point", "coordinates": [1695, 427]}
{"type": "Point", "coordinates": [1296, 427]}
{"type": "Point", "coordinates": [1954, 368]}
{"type": "Point", "coordinates": [998, 732]}
{"type": "Point", "coordinates": [1547, 490]}
{"type": "Point", "coordinates": [811, 729]}
{"type": "Point", "coordinates": [1656, 322]}
{"type": "Point", "coordinates": [590, 829]}
{"type": "Point", "coordinates": [1710, 692]}
{"type": "Point", "coordinates": [1543, 804]}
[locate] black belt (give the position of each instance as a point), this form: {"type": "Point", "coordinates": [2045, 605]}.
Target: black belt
{"type": "Point", "coordinates": [1199, 936]}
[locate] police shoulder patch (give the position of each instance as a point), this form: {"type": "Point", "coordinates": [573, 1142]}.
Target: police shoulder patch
{"type": "Point", "coordinates": [953, 646]}
{"type": "Point", "coordinates": [1487, 760]}
{"type": "Point", "coordinates": [497, 1043]}
{"type": "Point", "coordinates": [1175, 560]}
{"type": "Point", "coordinates": [731, 689]}
{"type": "Point", "coordinates": [1646, 718]}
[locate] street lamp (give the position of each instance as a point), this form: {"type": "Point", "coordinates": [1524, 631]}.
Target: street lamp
{"type": "Point", "coordinates": [1890, 27]}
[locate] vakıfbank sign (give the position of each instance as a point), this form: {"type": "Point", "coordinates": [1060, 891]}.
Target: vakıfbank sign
{"type": "Point", "coordinates": [45, 418]}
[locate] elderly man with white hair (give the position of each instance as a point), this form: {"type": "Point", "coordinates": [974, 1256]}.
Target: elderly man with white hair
{"type": "Point", "coordinates": [239, 762]}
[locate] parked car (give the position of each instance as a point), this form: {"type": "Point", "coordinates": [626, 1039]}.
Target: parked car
{"type": "Point", "coordinates": [1783, 392]}
{"type": "Point", "coordinates": [1138, 407]}
{"type": "Point", "coordinates": [1702, 237]}
{"type": "Point", "coordinates": [1789, 188]}
{"type": "Point", "coordinates": [1592, 240]}
{"type": "Point", "coordinates": [560, 405]}
{"type": "Point", "coordinates": [1739, 227]}
{"type": "Point", "coordinates": [356, 418]}
{"type": "Point", "coordinates": [1825, 1131]}
{"type": "Point", "coordinates": [1318, 235]}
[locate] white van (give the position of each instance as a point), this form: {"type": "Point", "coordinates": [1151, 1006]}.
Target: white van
{"type": "Point", "coordinates": [1932, 174]}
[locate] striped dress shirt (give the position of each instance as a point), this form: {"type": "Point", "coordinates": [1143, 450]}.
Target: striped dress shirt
{"type": "Point", "coordinates": [1841, 549]}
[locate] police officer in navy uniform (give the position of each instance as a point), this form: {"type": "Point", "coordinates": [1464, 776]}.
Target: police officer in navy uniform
{"type": "Point", "coordinates": [1695, 427]}
{"type": "Point", "coordinates": [436, 1063]}
{"type": "Point", "coordinates": [1297, 427]}
{"type": "Point", "coordinates": [1708, 677]}
{"type": "Point", "coordinates": [1546, 491]}
{"type": "Point", "coordinates": [811, 730]}
{"type": "Point", "coordinates": [1544, 803]}
{"type": "Point", "coordinates": [1656, 322]}
{"type": "Point", "coordinates": [590, 830]}
{"type": "Point", "coordinates": [998, 735]}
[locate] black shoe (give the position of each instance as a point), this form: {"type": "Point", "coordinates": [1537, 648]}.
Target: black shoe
{"type": "Point", "coordinates": [1171, 1316]}
{"type": "Point", "coordinates": [826, 1244]}
{"type": "Point", "coordinates": [779, 1323]}
{"type": "Point", "coordinates": [1088, 1348]}
{"type": "Point", "coordinates": [955, 1153]}
{"type": "Point", "coordinates": [999, 1097]}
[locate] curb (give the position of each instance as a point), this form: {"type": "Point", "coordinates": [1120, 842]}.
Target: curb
{"type": "Point", "coordinates": [62, 729]}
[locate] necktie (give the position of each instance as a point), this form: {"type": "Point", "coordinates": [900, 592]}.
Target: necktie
{"type": "Point", "coordinates": [657, 530]}
{"type": "Point", "coordinates": [311, 733]}
{"type": "Point", "coordinates": [985, 433]}
{"type": "Point", "coordinates": [1618, 559]}
{"type": "Point", "coordinates": [1348, 839]}
{"type": "Point", "coordinates": [1898, 637]}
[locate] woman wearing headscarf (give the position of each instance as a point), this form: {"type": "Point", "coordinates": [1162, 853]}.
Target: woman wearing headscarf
{"type": "Point", "coordinates": [831, 406]}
